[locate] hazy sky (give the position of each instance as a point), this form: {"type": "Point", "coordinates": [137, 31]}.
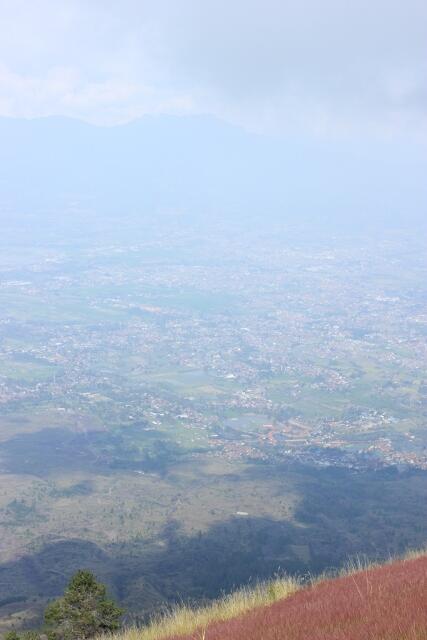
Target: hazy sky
{"type": "Point", "coordinates": [330, 67]}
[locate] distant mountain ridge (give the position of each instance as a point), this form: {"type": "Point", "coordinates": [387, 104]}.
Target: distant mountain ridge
{"type": "Point", "coordinates": [201, 165]}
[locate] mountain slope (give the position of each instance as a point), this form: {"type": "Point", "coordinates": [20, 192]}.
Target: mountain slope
{"type": "Point", "coordinates": [386, 602]}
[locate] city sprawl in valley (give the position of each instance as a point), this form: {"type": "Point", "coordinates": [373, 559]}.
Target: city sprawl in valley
{"type": "Point", "coordinates": [160, 396]}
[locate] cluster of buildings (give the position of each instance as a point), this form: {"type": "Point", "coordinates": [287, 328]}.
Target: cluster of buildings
{"type": "Point", "coordinates": [181, 347]}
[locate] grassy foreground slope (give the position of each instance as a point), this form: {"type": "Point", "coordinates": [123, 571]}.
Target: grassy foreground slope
{"type": "Point", "coordinates": [386, 602]}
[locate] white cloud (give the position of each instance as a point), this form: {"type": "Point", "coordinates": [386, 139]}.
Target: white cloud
{"type": "Point", "coordinates": [328, 67]}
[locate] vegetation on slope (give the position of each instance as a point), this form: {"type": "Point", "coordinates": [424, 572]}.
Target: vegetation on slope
{"type": "Point", "coordinates": [374, 603]}
{"type": "Point", "coordinates": [184, 620]}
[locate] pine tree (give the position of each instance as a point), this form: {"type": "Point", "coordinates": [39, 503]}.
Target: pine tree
{"type": "Point", "coordinates": [84, 610]}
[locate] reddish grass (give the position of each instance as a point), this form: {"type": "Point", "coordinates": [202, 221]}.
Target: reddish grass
{"type": "Point", "coordinates": [388, 602]}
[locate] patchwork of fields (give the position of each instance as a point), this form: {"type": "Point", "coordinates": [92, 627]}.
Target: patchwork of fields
{"type": "Point", "coordinates": [182, 416]}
